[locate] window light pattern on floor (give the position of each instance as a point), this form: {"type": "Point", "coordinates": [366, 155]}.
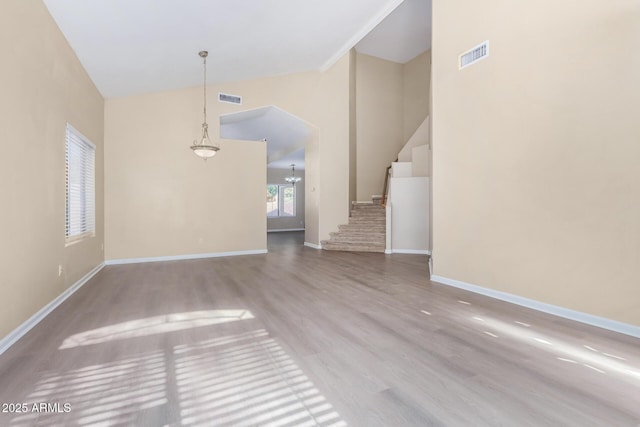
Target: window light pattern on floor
{"type": "Point", "coordinates": [155, 325]}
{"type": "Point", "coordinates": [247, 380]}
{"type": "Point", "coordinates": [241, 379]}
{"type": "Point", "coordinates": [100, 395]}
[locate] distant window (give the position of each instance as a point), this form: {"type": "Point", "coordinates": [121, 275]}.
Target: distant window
{"type": "Point", "coordinates": [80, 186]}
{"type": "Point", "coordinates": [281, 200]}
{"type": "Point", "coordinates": [272, 200]}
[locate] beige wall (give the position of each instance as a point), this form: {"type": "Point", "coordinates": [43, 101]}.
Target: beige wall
{"type": "Point", "coordinates": [331, 113]}
{"type": "Point", "coordinates": [43, 87]}
{"type": "Point", "coordinates": [379, 116]}
{"type": "Point", "coordinates": [416, 82]}
{"type": "Point", "coordinates": [353, 128]}
{"type": "Point", "coordinates": [322, 100]}
{"type": "Point", "coordinates": [161, 200]}
{"type": "Point", "coordinates": [392, 100]}
{"type": "Point", "coordinates": [277, 176]}
{"type": "Point", "coordinates": [536, 152]}
{"type": "Point", "coordinates": [311, 193]}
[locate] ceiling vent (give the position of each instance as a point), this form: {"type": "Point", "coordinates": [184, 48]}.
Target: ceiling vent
{"type": "Point", "coordinates": [474, 55]}
{"type": "Point", "coordinates": [231, 99]}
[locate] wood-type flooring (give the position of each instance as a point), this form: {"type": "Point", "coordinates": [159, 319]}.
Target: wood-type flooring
{"type": "Point", "coordinates": [300, 337]}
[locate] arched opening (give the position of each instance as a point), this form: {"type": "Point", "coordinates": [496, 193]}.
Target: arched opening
{"type": "Point", "coordinates": [286, 137]}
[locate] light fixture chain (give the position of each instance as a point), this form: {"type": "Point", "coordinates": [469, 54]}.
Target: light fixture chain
{"type": "Point", "coordinates": [205, 89]}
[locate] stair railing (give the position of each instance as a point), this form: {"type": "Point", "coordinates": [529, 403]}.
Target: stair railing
{"type": "Point", "coordinates": [385, 190]}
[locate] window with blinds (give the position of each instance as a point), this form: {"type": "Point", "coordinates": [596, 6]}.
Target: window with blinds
{"type": "Point", "coordinates": [80, 162]}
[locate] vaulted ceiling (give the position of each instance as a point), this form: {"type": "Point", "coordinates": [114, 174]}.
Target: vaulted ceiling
{"type": "Point", "coordinates": [404, 34]}
{"type": "Point", "coordinates": [131, 47]}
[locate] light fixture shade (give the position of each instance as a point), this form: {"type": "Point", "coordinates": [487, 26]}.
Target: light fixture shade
{"type": "Point", "coordinates": [204, 149]}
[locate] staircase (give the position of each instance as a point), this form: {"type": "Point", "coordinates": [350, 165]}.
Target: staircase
{"type": "Point", "coordinates": [406, 189]}
{"type": "Point", "coordinates": [365, 232]}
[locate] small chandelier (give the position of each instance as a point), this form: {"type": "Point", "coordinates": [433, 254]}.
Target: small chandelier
{"type": "Point", "coordinates": [293, 178]}
{"type": "Point", "coordinates": [205, 148]}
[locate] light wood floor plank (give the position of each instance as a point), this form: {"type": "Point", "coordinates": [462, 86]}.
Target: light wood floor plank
{"type": "Point", "coordinates": [305, 337]}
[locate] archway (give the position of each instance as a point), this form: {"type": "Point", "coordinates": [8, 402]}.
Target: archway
{"type": "Point", "coordinates": [286, 137]}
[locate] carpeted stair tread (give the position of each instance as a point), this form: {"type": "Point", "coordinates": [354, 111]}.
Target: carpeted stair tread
{"type": "Point", "coordinates": [352, 246]}
{"type": "Point", "coordinates": [365, 232]}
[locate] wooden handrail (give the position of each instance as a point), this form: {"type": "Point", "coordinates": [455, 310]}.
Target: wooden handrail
{"type": "Point", "coordinates": [386, 187]}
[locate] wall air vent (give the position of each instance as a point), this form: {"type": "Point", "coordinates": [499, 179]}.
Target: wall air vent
{"type": "Point", "coordinates": [231, 99]}
{"type": "Point", "coordinates": [474, 55]}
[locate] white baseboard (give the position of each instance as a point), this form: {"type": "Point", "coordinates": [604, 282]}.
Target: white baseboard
{"type": "Point", "coordinates": [388, 251]}
{"type": "Point", "coordinates": [183, 257]}
{"type": "Point", "coordinates": [578, 316]}
{"type": "Point", "coordinates": [279, 230]}
{"type": "Point", "coordinates": [312, 245]}
{"type": "Point", "coordinates": [25, 327]}
{"type": "Point", "coordinates": [408, 251]}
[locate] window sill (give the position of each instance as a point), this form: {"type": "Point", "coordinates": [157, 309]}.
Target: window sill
{"type": "Point", "coordinates": [78, 238]}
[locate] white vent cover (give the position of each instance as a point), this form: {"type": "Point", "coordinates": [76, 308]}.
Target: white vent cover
{"type": "Point", "coordinates": [474, 55]}
{"type": "Point", "coordinates": [231, 99]}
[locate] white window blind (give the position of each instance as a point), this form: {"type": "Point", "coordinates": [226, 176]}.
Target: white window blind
{"type": "Point", "coordinates": [80, 184]}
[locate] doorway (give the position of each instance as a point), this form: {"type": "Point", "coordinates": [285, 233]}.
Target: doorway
{"type": "Point", "coordinates": [285, 136]}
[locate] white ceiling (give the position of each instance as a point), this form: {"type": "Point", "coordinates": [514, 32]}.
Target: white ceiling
{"type": "Point", "coordinates": [403, 35]}
{"type": "Point", "coordinates": [136, 46]}
{"type": "Point", "coordinates": [285, 133]}
{"type": "Point", "coordinates": [130, 47]}
{"type": "Point", "coordinates": [294, 158]}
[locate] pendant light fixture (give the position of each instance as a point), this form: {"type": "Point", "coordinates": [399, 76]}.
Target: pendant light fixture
{"type": "Point", "coordinates": [205, 148]}
{"type": "Point", "coordinates": [293, 178]}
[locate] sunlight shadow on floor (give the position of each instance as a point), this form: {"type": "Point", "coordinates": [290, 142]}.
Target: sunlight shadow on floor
{"type": "Point", "coordinates": [247, 380]}
{"type": "Point", "coordinates": [242, 379]}
{"type": "Point", "coordinates": [155, 325]}
{"type": "Point", "coordinates": [105, 394]}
